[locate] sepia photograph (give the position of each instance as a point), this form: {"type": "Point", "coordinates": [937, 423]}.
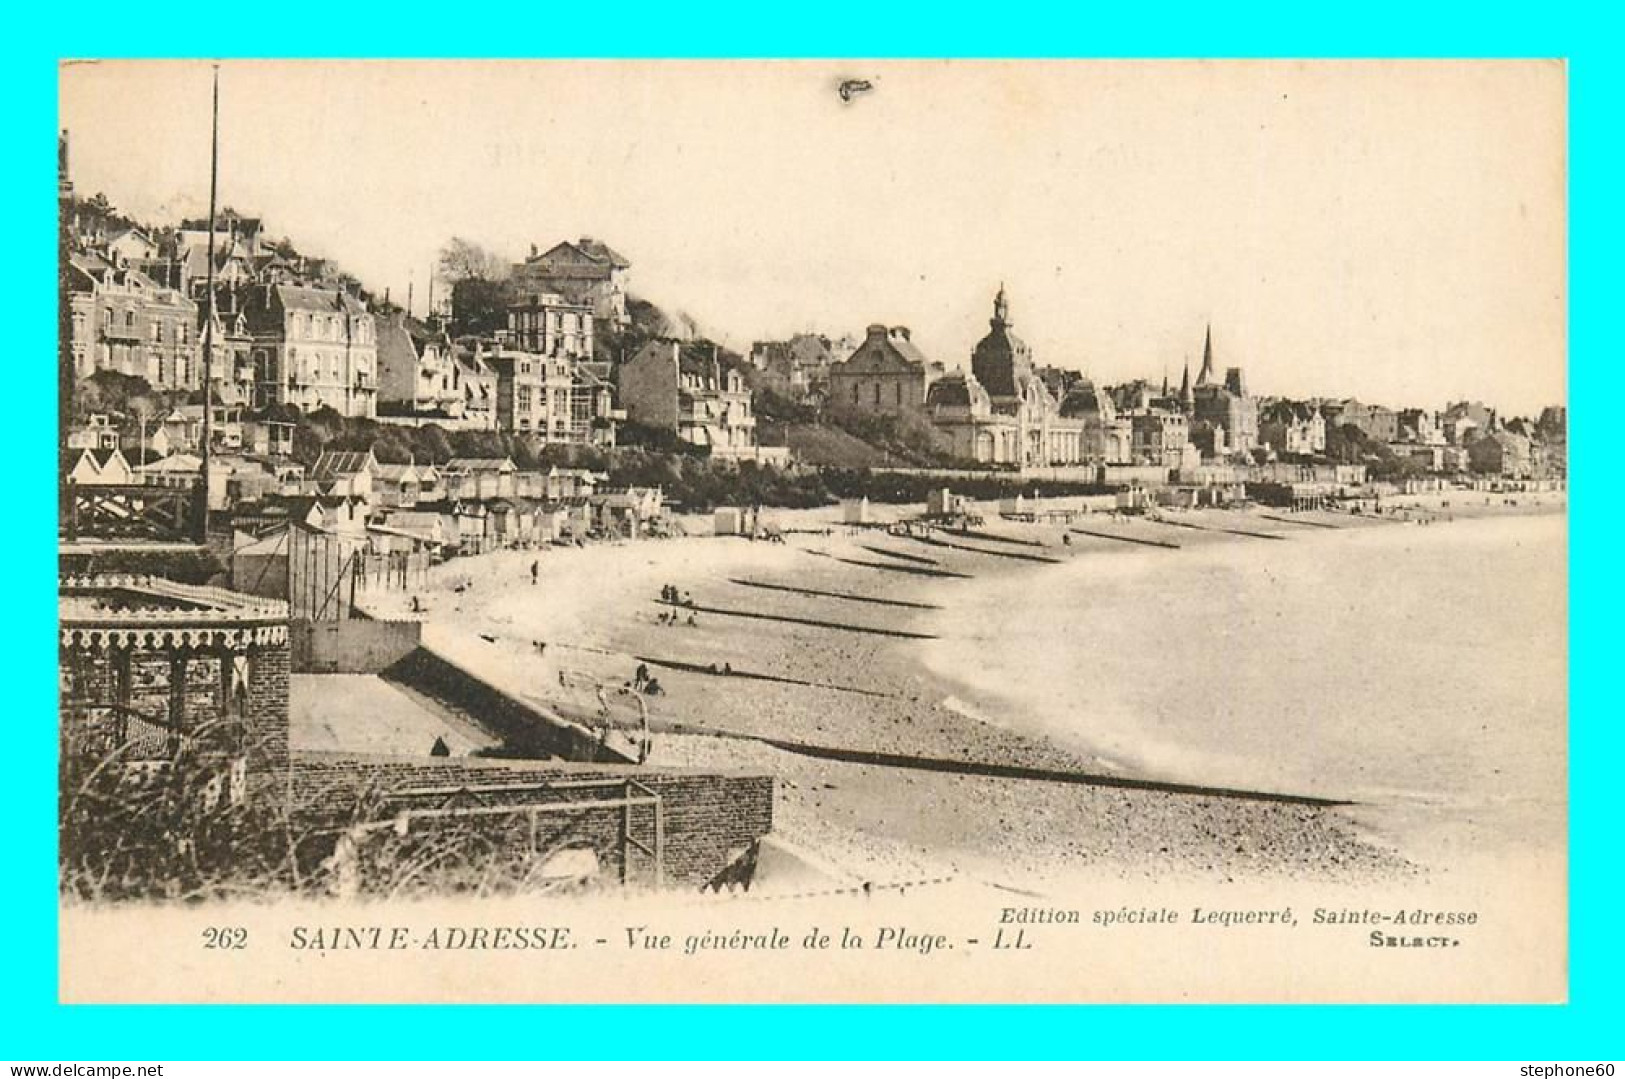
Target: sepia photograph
{"type": "Point", "coordinates": [828, 531]}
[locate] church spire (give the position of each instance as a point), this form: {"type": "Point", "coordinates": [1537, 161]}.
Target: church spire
{"type": "Point", "coordinates": [1001, 309]}
{"type": "Point", "coordinates": [1186, 398]}
{"type": "Point", "coordinates": [1207, 359]}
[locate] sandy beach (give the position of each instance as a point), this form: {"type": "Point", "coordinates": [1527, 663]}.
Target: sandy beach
{"type": "Point", "coordinates": [871, 643]}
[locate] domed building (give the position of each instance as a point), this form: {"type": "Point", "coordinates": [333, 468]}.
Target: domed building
{"type": "Point", "coordinates": [1001, 361]}
{"type": "Point", "coordinates": [962, 409]}
{"type": "Point", "coordinates": [1023, 424]}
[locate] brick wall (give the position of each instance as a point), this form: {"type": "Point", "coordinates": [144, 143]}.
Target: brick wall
{"type": "Point", "coordinates": [184, 687]}
{"type": "Point", "coordinates": [352, 646]}
{"type": "Point", "coordinates": [266, 734]}
{"type": "Point", "coordinates": [708, 817]}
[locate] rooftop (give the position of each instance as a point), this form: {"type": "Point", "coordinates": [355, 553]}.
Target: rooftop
{"type": "Point", "coordinates": [130, 609]}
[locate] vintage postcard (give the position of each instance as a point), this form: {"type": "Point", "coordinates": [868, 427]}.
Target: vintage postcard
{"type": "Point", "coordinates": [848, 531]}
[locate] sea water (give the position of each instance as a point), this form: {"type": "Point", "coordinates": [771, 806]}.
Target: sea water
{"type": "Point", "coordinates": [1406, 667]}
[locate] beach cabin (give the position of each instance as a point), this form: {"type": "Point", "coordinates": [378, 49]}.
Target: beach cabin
{"type": "Point", "coordinates": [855, 511]}
{"type": "Point", "coordinates": [424, 528]}
{"type": "Point", "coordinates": [345, 473]}
{"type": "Point", "coordinates": [548, 523]}
{"type": "Point", "coordinates": [734, 521]}
{"type": "Point", "coordinates": [530, 483]}
{"type": "Point", "coordinates": [565, 483]}
{"type": "Point", "coordinates": [1179, 498]}
{"type": "Point", "coordinates": [480, 477]}
{"type": "Point", "coordinates": [97, 467]}
{"type": "Point", "coordinates": [577, 520]}
{"type": "Point", "coordinates": [1018, 508]}
{"type": "Point", "coordinates": [397, 486]}
{"type": "Point", "coordinates": [1133, 500]}
{"type": "Point", "coordinates": [325, 513]}
{"type": "Point", "coordinates": [627, 512]}
{"type": "Point", "coordinates": [431, 487]}
{"type": "Point", "coordinates": [473, 535]}
{"type": "Point", "coordinates": [502, 522]}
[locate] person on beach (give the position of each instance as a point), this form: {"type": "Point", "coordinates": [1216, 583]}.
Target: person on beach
{"type": "Point", "coordinates": [691, 621]}
{"type": "Point", "coordinates": [641, 678]}
{"type": "Point", "coordinates": [535, 570]}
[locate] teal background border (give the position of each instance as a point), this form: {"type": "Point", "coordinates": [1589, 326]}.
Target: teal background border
{"type": "Point", "coordinates": [33, 1026]}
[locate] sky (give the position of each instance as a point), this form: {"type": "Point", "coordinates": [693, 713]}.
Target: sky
{"type": "Point", "coordinates": [1394, 231]}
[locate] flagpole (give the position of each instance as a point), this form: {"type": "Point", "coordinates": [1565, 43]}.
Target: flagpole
{"type": "Point", "coordinates": [208, 324]}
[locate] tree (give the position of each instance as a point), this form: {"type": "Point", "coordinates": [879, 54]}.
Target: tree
{"type": "Point", "coordinates": [430, 445]}
{"type": "Point", "coordinates": [108, 391]}
{"type": "Point", "coordinates": [478, 306]}
{"type": "Point", "coordinates": [1347, 444]}
{"type": "Point", "coordinates": [465, 260]}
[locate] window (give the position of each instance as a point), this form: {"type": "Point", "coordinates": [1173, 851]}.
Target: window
{"type": "Point", "coordinates": [129, 319]}
{"type": "Point", "coordinates": [854, 394]}
{"type": "Point", "coordinates": [877, 393]}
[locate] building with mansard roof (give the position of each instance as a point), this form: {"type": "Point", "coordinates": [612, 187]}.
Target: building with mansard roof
{"type": "Point", "coordinates": [313, 348]}
{"type": "Point", "coordinates": [587, 272]}
{"type": "Point", "coordinates": [122, 320]}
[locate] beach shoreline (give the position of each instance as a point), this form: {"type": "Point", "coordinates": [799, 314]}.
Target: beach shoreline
{"type": "Point", "coordinates": [811, 643]}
